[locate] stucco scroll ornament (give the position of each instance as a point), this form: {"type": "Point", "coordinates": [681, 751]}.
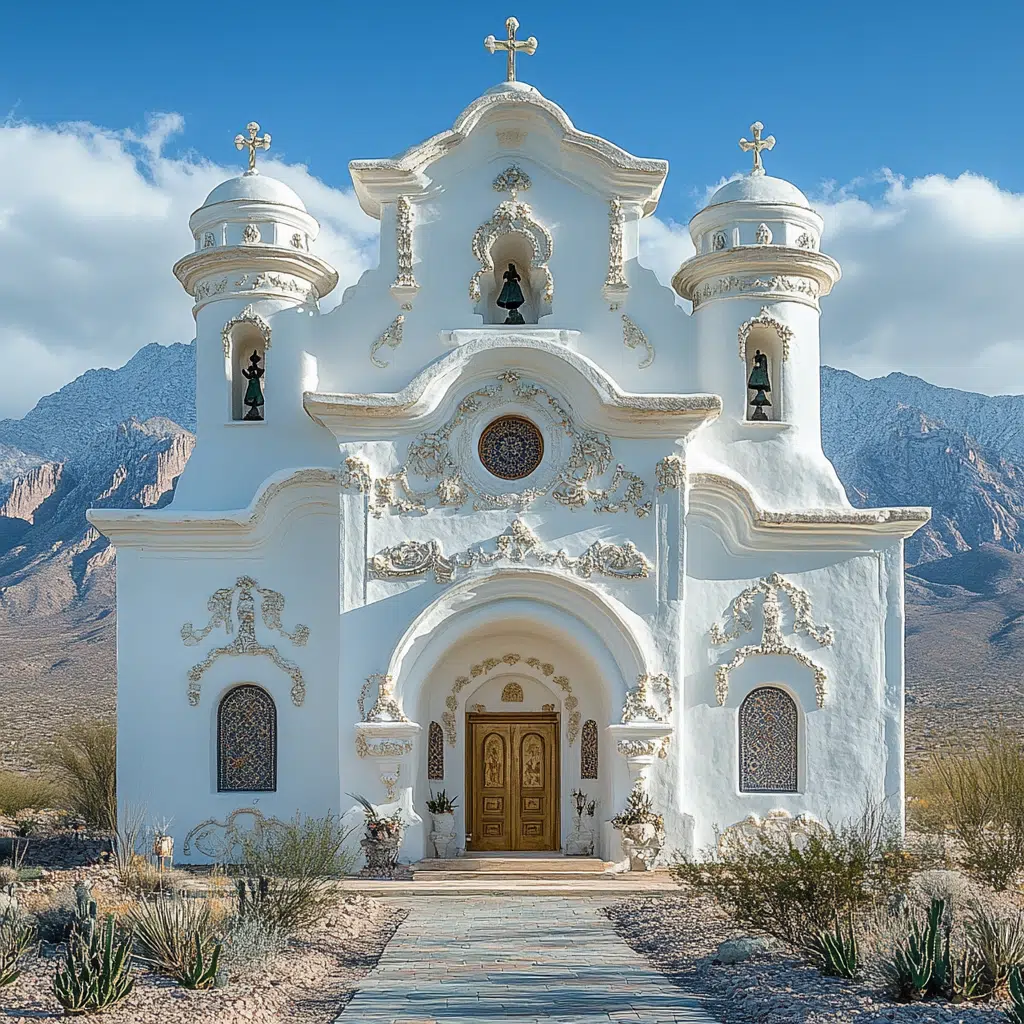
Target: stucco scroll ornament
{"type": "Point", "coordinates": [803, 288]}
{"type": "Point", "coordinates": [390, 336]}
{"type": "Point", "coordinates": [386, 707]}
{"type": "Point", "coordinates": [772, 640]}
{"type": "Point", "coordinates": [764, 319]}
{"type": "Point", "coordinates": [435, 456]}
{"type": "Point", "coordinates": [512, 217]}
{"type": "Point", "coordinates": [513, 179]}
{"type": "Point", "coordinates": [633, 337]}
{"type": "Point", "coordinates": [649, 701]}
{"type": "Point", "coordinates": [615, 285]}
{"type": "Point", "coordinates": [518, 543]}
{"type": "Point", "coordinates": [251, 318]}
{"type": "Point", "coordinates": [753, 834]}
{"type": "Point", "coordinates": [570, 703]}
{"type": "Point", "coordinates": [240, 601]}
{"type": "Point", "coordinates": [218, 839]}
{"type": "Point", "coordinates": [356, 475]}
{"type": "Point", "coordinates": [670, 472]}
{"type": "Point", "coordinates": [382, 748]}
{"type": "Point", "coordinates": [405, 287]}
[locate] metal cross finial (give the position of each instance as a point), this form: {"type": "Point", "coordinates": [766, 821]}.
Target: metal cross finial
{"type": "Point", "coordinates": [252, 143]}
{"type": "Point", "coordinates": [757, 145]}
{"type": "Point", "coordinates": [512, 45]}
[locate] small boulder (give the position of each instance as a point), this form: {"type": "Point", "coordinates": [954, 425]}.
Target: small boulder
{"type": "Point", "coordinates": [735, 951]}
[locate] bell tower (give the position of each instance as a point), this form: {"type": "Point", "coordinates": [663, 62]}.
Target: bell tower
{"type": "Point", "coordinates": [251, 266]}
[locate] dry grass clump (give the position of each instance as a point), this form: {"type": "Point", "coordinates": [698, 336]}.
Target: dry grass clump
{"type": "Point", "coordinates": [19, 792]}
{"type": "Point", "coordinates": [977, 798]}
{"type": "Point", "coordinates": [83, 760]}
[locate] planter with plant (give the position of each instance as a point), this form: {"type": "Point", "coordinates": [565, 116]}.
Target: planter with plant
{"type": "Point", "coordinates": [580, 842]}
{"type": "Point", "coordinates": [441, 808]}
{"type": "Point", "coordinates": [382, 841]}
{"type": "Point", "coordinates": [643, 830]}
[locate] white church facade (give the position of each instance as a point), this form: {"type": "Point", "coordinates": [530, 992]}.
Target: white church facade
{"type": "Point", "coordinates": [582, 540]}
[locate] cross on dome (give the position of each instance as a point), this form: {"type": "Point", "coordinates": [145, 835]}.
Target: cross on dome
{"type": "Point", "coordinates": [252, 143]}
{"type": "Point", "coordinates": [757, 145]}
{"type": "Point", "coordinates": [512, 46]}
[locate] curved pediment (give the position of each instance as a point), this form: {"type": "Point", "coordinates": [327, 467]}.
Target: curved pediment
{"type": "Point", "coordinates": [513, 107]}
{"type": "Point", "coordinates": [543, 354]}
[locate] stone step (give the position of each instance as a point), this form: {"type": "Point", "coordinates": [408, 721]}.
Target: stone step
{"type": "Point", "coordinates": [614, 885]}
{"type": "Point", "coordinates": [434, 875]}
{"type": "Point", "coordinates": [471, 865]}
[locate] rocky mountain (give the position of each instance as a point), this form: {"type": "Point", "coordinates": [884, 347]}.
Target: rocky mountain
{"type": "Point", "coordinates": [121, 437]}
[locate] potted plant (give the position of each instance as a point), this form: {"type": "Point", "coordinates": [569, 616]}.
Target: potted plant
{"type": "Point", "coordinates": [382, 841]}
{"type": "Point", "coordinates": [643, 830]}
{"type": "Point", "coordinates": [441, 808]}
{"type": "Point", "coordinates": [581, 840]}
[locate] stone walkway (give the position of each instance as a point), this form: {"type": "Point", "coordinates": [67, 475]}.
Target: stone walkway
{"type": "Point", "coordinates": [523, 958]}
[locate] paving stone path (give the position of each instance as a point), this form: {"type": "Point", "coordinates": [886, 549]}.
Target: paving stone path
{"type": "Point", "coordinates": [467, 960]}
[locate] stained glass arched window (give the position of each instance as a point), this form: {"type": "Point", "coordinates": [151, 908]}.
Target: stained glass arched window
{"type": "Point", "coordinates": [435, 752]}
{"type": "Point", "coordinates": [588, 750]}
{"type": "Point", "coordinates": [247, 741]}
{"type": "Point", "coordinates": [768, 742]}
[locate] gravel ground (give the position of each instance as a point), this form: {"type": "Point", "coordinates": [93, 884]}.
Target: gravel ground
{"type": "Point", "coordinates": [309, 982]}
{"type": "Point", "coordinates": [680, 934]}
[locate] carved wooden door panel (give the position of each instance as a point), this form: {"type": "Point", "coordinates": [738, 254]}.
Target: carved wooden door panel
{"type": "Point", "coordinates": [513, 777]}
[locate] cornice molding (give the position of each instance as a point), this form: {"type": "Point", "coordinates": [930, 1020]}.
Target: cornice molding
{"type": "Point", "coordinates": [280, 496]}
{"type": "Point", "coordinates": [749, 525]}
{"type": "Point", "coordinates": [756, 262]}
{"type": "Point", "coordinates": [598, 401]}
{"type": "Point", "coordinates": [634, 178]}
{"type": "Point", "coordinates": [190, 270]}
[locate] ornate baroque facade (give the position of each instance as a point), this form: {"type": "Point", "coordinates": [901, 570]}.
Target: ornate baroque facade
{"type": "Point", "coordinates": [515, 523]}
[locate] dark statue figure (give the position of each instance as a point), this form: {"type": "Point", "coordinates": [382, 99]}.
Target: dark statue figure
{"type": "Point", "coordinates": [511, 297]}
{"type": "Point", "coordinates": [759, 383]}
{"type": "Point", "coordinates": [254, 392]}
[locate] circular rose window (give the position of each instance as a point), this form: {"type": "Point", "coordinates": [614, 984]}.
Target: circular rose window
{"type": "Point", "coordinates": [511, 447]}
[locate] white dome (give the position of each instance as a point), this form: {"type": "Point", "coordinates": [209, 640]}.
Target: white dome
{"type": "Point", "coordinates": [760, 188]}
{"type": "Point", "coordinates": [255, 186]}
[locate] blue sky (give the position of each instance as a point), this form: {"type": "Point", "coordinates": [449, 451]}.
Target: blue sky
{"type": "Point", "coordinates": [900, 121]}
{"type": "Point", "coordinates": [847, 89]}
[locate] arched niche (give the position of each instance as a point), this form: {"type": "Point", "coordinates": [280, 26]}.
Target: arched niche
{"type": "Point", "coordinates": [243, 336]}
{"type": "Point", "coordinates": [512, 236]}
{"type": "Point", "coordinates": [764, 344]}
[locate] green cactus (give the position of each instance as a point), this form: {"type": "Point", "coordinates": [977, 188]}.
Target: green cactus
{"type": "Point", "coordinates": [252, 892]}
{"type": "Point", "coordinates": [1015, 1014]}
{"type": "Point", "coordinates": [85, 909]}
{"type": "Point", "coordinates": [837, 951]}
{"type": "Point", "coordinates": [96, 972]}
{"type": "Point", "coordinates": [201, 971]}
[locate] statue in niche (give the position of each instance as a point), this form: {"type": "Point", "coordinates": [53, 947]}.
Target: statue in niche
{"type": "Point", "coordinates": [761, 385]}
{"type": "Point", "coordinates": [511, 297]}
{"type": "Point", "coordinates": [254, 392]}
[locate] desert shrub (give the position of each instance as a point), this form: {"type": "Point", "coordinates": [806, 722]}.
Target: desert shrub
{"type": "Point", "coordinates": [250, 942]}
{"type": "Point", "coordinates": [96, 971]}
{"type": "Point", "coordinates": [17, 934]}
{"type": "Point", "coordinates": [927, 798]}
{"type": "Point", "coordinates": [985, 795]}
{"type": "Point", "coordinates": [19, 792]}
{"type": "Point", "coordinates": [173, 934]}
{"type": "Point", "coordinates": [83, 760]}
{"type": "Point", "coordinates": [145, 878]}
{"type": "Point", "coordinates": [9, 875]}
{"type": "Point", "coordinates": [796, 889]}
{"type": "Point", "coordinates": [298, 859]}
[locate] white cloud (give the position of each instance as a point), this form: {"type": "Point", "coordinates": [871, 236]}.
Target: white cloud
{"type": "Point", "coordinates": [931, 273]}
{"type": "Point", "coordinates": [91, 222]}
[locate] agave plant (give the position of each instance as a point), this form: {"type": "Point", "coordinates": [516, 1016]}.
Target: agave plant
{"type": "Point", "coordinates": [96, 972]}
{"type": "Point", "coordinates": [201, 969]}
{"type": "Point", "coordinates": [920, 965]}
{"type": "Point", "coordinates": [837, 951]}
{"type": "Point", "coordinates": [1015, 1014]}
{"type": "Point", "coordinates": [167, 933]}
{"type": "Point", "coordinates": [16, 938]}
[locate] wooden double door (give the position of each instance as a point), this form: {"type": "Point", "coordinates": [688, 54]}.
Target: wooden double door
{"type": "Point", "coordinates": [512, 778]}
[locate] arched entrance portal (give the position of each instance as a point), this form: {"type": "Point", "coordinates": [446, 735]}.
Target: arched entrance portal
{"type": "Point", "coordinates": [513, 680]}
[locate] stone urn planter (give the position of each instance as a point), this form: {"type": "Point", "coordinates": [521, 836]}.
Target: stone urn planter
{"type": "Point", "coordinates": [642, 843]}
{"type": "Point", "coordinates": [381, 856]}
{"type": "Point", "coordinates": [442, 834]}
